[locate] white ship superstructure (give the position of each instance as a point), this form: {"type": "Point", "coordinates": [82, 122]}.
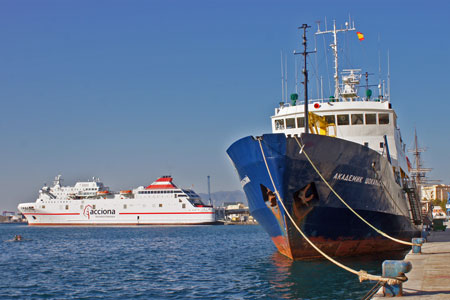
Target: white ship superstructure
{"type": "Point", "coordinates": [369, 121]}
{"type": "Point", "coordinates": [91, 203]}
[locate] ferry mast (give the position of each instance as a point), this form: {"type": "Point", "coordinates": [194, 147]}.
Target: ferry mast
{"type": "Point", "coordinates": [334, 46]}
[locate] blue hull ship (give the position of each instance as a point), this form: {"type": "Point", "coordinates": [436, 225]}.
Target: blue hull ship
{"type": "Point", "coordinates": [358, 174]}
{"type": "Point", "coordinates": [346, 145]}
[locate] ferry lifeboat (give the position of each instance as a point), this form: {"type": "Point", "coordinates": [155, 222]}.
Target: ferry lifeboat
{"type": "Point", "coordinates": [102, 193]}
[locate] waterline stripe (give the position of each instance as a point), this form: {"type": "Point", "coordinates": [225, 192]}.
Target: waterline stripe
{"type": "Point", "coordinates": [50, 214]}
{"type": "Point", "coordinates": [166, 213]}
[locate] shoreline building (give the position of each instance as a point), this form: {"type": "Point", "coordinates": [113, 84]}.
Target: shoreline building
{"type": "Point", "coordinates": [435, 192]}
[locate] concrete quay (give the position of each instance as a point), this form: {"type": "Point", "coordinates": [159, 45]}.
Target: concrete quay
{"type": "Point", "coordinates": [430, 274]}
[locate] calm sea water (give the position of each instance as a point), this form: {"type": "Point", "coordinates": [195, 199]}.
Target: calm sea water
{"type": "Point", "coordinates": [195, 262]}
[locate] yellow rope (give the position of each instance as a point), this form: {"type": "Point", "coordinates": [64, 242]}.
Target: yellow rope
{"type": "Point", "coordinates": [362, 275]}
{"type": "Point", "coordinates": [348, 206]}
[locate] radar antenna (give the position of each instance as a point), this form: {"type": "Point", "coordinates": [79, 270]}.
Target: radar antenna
{"type": "Point", "coordinates": [58, 180]}
{"type": "Point", "coordinates": [334, 47]}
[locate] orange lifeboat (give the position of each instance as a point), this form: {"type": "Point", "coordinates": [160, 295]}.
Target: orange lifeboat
{"type": "Point", "coordinates": [102, 193]}
{"type": "Point", "coordinates": [125, 192]}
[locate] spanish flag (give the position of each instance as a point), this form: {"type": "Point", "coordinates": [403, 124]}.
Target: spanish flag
{"type": "Point", "coordinates": [360, 36]}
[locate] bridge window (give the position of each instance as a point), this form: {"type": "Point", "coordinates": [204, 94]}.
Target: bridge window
{"type": "Point", "coordinates": [371, 119]}
{"type": "Point", "coordinates": [290, 123]}
{"type": "Point", "coordinates": [383, 119]}
{"type": "Point", "coordinates": [357, 119]}
{"type": "Point", "coordinates": [343, 119]}
{"type": "Point", "coordinates": [279, 124]}
{"type": "Point", "coordinates": [330, 119]}
{"type": "Point", "coordinates": [301, 122]}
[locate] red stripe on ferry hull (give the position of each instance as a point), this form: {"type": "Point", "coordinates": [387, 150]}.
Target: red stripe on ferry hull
{"type": "Point", "coordinates": [123, 224]}
{"type": "Point", "coordinates": [167, 213]}
{"type": "Point", "coordinates": [50, 214]}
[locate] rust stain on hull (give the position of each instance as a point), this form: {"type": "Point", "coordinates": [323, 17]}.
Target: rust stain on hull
{"type": "Point", "coordinates": [342, 248]}
{"type": "Point", "coordinates": [282, 245]}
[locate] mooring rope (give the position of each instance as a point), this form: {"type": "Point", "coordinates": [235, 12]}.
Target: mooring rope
{"type": "Point", "coordinates": [373, 291]}
{"type": "Point", "coordinates": [348, 206]}
{"type": "Point", "coordinates": [362, 275]}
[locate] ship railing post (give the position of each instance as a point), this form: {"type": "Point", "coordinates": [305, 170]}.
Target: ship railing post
{"type": "Point", "coordinates": [395, 269]}
{"type": "Point", "coordinates": [417, 247]}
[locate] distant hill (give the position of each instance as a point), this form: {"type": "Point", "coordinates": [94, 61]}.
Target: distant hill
{"type": "Point", "coordinates": [219, 198]}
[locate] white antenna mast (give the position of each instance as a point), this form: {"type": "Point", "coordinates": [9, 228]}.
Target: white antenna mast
{"type": "Point", "coordinates": [282, 78]}
{"type": "Point", "coordinates": [334, 47]}
{"type": "Point", "coordinates": [379, 65]}
{"type": "Point", "coordinates": [296, 76]}
{"type": "Point", "coordinates": [285, 80]}
{"type": "Point", "coordinates": [321, 88]}
{"type": "Point", "coordinates": [389, 79]}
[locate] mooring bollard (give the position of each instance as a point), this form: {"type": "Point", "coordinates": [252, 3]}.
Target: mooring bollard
{"type": "Point", "coordinates": [417, 241]}
{"type": "Point", "coordinates": [395, 268]}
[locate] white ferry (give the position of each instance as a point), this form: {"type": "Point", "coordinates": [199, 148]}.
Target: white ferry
{"type": "Point", "coordinates": [92, 203]}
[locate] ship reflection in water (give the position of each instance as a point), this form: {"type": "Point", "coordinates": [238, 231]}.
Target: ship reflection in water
{"type": "Point", "coordinates": [320, 279]}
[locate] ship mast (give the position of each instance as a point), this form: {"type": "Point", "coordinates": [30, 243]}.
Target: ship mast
{"type": "Point", "coordinates": [418, 173]}
{"type": "Point", "coordinates": [209, 190]}
{"type": "Point", "coordinates": [305, 74]}
{"type": "Point", "coordinates": [334, 47]}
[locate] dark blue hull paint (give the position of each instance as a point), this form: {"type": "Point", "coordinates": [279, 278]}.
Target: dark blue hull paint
{"type": "Point", "coordinates": [361, 176]}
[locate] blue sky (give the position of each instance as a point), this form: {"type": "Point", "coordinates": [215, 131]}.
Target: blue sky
{"type": "Point", "coordinates": [131, 90]}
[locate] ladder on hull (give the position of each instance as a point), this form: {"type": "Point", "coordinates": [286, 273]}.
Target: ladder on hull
{"type": "Point", "coordinates": [410, 189]}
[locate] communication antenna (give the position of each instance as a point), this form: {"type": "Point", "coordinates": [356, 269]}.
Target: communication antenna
{"type": "Point", "coordinates": [296, 76]}
{"type": "Point", "coordinates": [321, 87]}
{"type": "Point", "coordinates": [334, 47]}
{"type": "Point", "coordinates": [367, 85]}
{"type": "Point", "coordinates": [282, 78]}
{"type": "Point", "coordinates": [285, 79]}
{"type": "Point", "coordinates": [379, 66]}
{"type": "Point", "coordinates": [389, 78]}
